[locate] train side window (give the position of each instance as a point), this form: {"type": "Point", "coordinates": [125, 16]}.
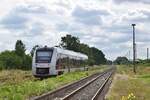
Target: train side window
{"type": "Point", "coordinates": [58, 64]}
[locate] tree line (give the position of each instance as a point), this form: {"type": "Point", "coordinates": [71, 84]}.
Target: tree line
{"type": "Point", "coordinates": [96, 56]}
{"type": "Point", "coordinates": [18, 59]}
{"type": "Point", "coordinates": [125, 61]}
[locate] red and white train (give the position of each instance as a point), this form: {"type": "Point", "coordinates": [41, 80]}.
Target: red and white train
{"type": "Point", "coordinates": [49, 61]}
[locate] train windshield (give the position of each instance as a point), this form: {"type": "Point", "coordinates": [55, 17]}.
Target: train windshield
{"type": "Point", "coordinates": [44, 56]}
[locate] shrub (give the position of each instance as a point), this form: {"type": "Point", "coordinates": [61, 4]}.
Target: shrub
{"type": "Point", "coordinates": [9, 60]}
{"type": "Point", "coordinates": [1, 65]}
{"type": "Point", "coordinates": [27, 62]}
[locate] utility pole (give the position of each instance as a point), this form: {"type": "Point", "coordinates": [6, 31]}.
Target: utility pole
{"type": "Point", "coordinates": [147, 53]}
{"type": "Point", "coordinates": [135, 52]}
{"type": "Point", "coordinates": [134, 49]}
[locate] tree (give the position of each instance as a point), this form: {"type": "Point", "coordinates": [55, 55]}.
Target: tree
{"type": "Point", "coordinates": [1, 65]}
{"type": "Point", "coordinates": [95, 56]}
{"type": "Point", "coordinates": [33, 50]}
{"type": "Point", "coordinates": [121, 60]}
{"type": "Point", "coordinates": [109, 62]}
{"type": "Point", "coordinates": [16, 59]}
{"type": "Point", "coordinates": [27, 62]}
{"type": "Point", "coordinates": [70, 42]}
{"type": "Point", "coordinates": [20, 48]}
{"type": "Point", "coordinates": [98, 56]}
{"type": "Point", "coordinates": [84, 48]}
{"type": "Point", "coordinates": [10, 60]}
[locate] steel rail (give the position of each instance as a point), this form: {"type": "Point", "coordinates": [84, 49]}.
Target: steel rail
{"type": "Point", "coordinates": [47, 96]}
{"type": "Point", "coordinates": [66, 86]}
{"type": "Point", "coordinates": [85, 85]}
{"type": "Point", "coordinates": [95, 97]}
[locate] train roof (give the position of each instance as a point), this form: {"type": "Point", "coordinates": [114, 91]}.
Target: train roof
{"type": "Point", "coordinates": [68, 53]}
{"type": "Point", "coordinates": [71, 53]}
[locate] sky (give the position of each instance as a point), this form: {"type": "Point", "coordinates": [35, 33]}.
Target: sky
{"type": "Point", "coordinates": [104, 24]}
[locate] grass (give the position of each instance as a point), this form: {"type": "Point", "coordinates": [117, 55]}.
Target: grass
{"type": "Point", "coordinates": [130, 86]}
{"type": "Point", "coordinates": [10, 77]}
{"type": "Point", "coordinates": [20, 85]}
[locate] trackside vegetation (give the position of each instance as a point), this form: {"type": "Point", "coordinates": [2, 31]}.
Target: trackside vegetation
{"type": "Point", "coordinates": [95, 55]}
{"type": "Point", "coordinates": [129, 86]}
{"type": "Point", "coordinates": [15, 59]}
{"type": "Point", "coordinates": [17, 82]}
{"type": "Point", "coordinates": [20, 85]}
{"type": "Point", "coordinates": [18, 59]}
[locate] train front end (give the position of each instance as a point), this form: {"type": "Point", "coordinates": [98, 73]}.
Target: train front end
{"type": "Point", "coordinates": [43, 63]}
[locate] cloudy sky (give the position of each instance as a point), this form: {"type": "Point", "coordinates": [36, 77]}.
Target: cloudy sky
{"type": "Point", "coordinates": [105, 24]}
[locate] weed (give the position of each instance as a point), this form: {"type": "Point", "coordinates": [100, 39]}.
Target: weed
{"type": "Point", "coordinates": [130, 86]}
{"type": "Point", "coordinates": [19, 85]}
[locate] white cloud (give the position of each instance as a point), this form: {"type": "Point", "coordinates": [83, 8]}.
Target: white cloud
{"type": "Point", "coordinates": [100, 23]}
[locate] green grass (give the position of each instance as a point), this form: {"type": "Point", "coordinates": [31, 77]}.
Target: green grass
{"type": "Point", "coordinates": [20, 85]}
{"type": "Point", "coordinates": [126, 83]}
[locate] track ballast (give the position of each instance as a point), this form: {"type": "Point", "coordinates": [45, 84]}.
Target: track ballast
{"type": "Point", "coordinates": [89, 88]}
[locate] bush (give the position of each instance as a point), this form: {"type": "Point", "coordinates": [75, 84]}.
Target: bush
{"type": "Point", "coordinates": [16, 59]}
{"type": "Point", "coordinates": [9, 60]}
{"type": "Point", "coordinates": [27, 62]}
{"type": "Point", "coordinates": [1, 65]}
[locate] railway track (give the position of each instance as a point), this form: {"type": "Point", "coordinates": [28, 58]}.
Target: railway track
{"type": "Point", "coordinates": [89, 88]}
